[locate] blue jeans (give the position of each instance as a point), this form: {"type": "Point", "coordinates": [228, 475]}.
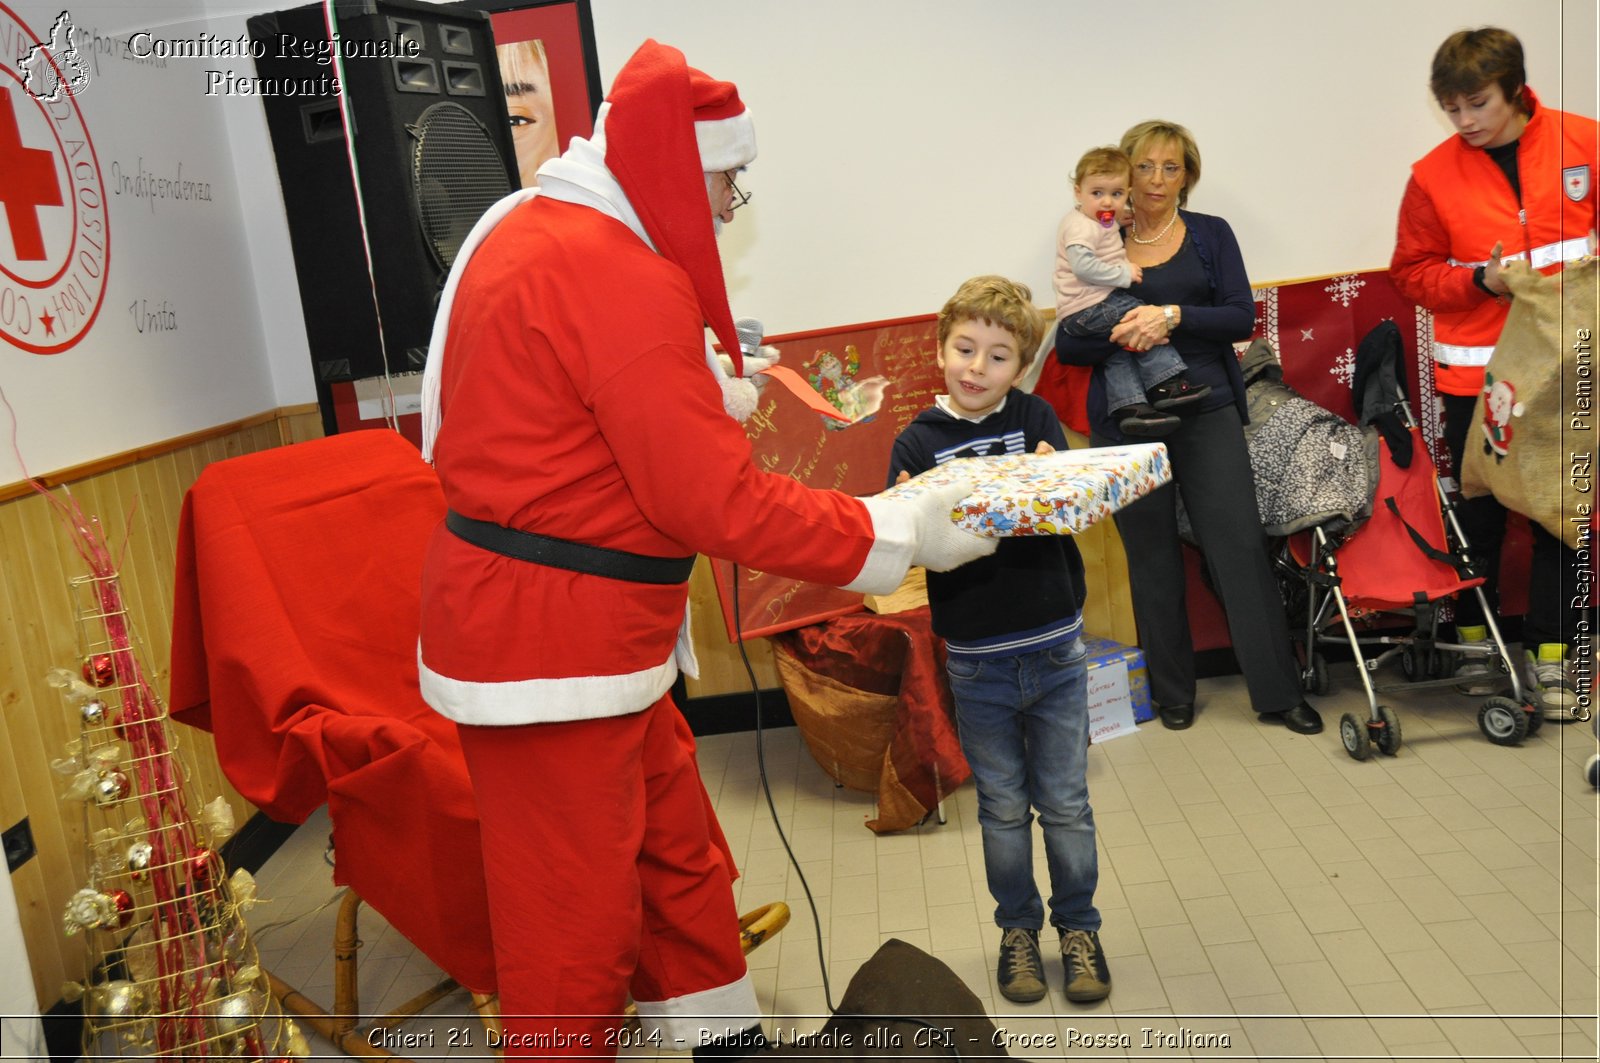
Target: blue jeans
{"type": "Point", "coordinates": [1024, 725]}
{"type": "Point", "coordinates": [1128, 375]}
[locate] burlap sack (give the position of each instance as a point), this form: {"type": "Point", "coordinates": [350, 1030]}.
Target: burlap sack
{"type": "Point", "coordinates": [1533, 436]}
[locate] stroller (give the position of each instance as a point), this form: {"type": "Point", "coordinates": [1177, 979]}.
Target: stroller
{"type": "Point", "coordinates": [1343, 570]}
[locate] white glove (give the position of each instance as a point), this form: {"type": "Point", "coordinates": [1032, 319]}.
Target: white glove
{"type": "Point", "coordinates": [917, 531]}
{"type": "Point", "coordinates": [741, 394]}
{"type": "Point", "coordinates": [763, 358]}
{"type": "Point", "coordinates": [942, 544]}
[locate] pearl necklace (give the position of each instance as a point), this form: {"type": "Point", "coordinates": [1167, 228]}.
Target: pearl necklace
{"type": "Point", "coordinates": [1158, 237]}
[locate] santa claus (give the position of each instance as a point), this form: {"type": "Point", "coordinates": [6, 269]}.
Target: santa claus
{"type": "Point", "coordinates": [575, 413]}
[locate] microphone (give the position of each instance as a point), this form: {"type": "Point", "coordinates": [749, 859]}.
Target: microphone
{"type": "Point", "coordinates": [751, 333]}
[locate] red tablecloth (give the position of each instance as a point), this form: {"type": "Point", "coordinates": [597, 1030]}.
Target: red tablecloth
{"type": "Point", "coordinates": [295, 643]}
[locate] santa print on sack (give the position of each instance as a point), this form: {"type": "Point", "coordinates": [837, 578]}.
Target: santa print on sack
{"type": "Point", "coordinates": [1499, 406]}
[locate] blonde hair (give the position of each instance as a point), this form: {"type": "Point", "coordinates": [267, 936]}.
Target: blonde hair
{"type": "Point", "coordinates": [1144, 137]}
{"type": "Point", "coordinates": [1000, 302]}
{"type": "Point", "coordinates": [1107, 160]}
{"type": "Point", "coordinates": [523, 66]}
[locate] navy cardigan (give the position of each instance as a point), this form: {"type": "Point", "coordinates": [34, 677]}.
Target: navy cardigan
{"type": "Point", "coordinates": [1204, 331]}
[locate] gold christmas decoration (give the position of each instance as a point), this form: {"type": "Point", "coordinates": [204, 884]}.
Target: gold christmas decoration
{"type": "Point", "coordinates": [174, 973]}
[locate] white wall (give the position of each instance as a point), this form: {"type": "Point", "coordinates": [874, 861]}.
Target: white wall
{"type": "Point", "coordinates": [179, 343]}
{"type": "Point", "coordinates": [21, 1031]}
{"type": "Point", "coordinates": [906, 144]}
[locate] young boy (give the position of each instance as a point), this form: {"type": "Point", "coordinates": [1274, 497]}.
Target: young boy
{"type": "Point", "coordinates": [1091, 278]}
{"type": "Point", "coordinates": [1011, 623]}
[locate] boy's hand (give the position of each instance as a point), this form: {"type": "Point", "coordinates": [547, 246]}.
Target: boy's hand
{"type": "Point", "coordinates": [903, 477]}
{"type": "Point", "coordinates": [1044, 447]}
{"type": "Point", "coordinates": [1136, 272]}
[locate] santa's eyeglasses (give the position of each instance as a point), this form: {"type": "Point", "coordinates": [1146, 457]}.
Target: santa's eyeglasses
{"type": "Point", "coordinates": [739, 198]}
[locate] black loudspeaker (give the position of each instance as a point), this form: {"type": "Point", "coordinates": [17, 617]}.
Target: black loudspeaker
{"type": "Point", "coordinates": [432, 147]}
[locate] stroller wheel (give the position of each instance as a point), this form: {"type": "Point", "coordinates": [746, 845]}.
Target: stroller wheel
{"type": "Point", "coordinates": [1535, 720]}
{"type": "Point", "coordinates": [1409, 666]}
{"type": "Point", "coordinates": [1503, 721]}
{"type": "Point", "coordinates": [1438, 664]}
{"type": "Point", "coordinates": [1387, 736]}
{"type": "Point", "coordinates": [1353, 733]}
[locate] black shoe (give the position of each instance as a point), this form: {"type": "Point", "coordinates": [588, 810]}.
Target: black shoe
{"type": "Point", "coordinates": [1175, 717]}
{"type": "Point", "coordinates": [1020, 973]}
{"type": "Point", "coordinates": [1142, 419]}
{"type": "Point", "coordinates": [1088, 976]}
{"type": "Point", "coordinates": [1176, 393]}
{"type": "Point", "coordinates": [1302, 719]}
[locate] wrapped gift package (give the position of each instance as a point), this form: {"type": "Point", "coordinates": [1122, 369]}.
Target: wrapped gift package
{"type": "Point", "coordinates": [1046, 494]}
{"type": "Point", "coordinates": [1103, 652]}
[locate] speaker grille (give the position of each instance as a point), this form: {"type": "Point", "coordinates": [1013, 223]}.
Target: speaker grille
{"type": "Point", "coordinates": [457, 174]}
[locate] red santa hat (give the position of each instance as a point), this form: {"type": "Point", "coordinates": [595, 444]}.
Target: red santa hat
{"type": "Point", "coordinates": [668, 125]}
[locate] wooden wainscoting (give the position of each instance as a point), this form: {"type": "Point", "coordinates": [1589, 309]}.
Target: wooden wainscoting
{"type": "Point", "coordinates": [137, 497]}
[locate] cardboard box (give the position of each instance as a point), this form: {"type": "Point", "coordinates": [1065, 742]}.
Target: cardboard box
{"type": "Point", "coordinates": [1103, 652]}
{"type": "Point", "coordinates": [1046, 494]}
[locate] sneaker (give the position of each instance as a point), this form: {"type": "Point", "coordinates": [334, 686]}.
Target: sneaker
{"type": "Point", "coordinates": [1021, 969]}
{"type": "Point", "coordinates": [1548, 683]}
{"type": "Point", "coordinates": [1478, 661]}
{"type": "Point", "coordinates": [1176, 393]}
{"type": "Point", "coordinates": [1088, 977]}
{"type": "Point", "coordinates": [1142, 419]}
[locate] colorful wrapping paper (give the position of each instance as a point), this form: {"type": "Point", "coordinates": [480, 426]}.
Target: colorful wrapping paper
{"type": "Point", "coordinates": [1046, 494]}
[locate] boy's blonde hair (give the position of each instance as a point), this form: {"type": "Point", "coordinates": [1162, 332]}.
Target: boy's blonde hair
{"type": "Point", "coordinates": [1107, 160]}
{"type": "Point", "coordinates": [999, 302]}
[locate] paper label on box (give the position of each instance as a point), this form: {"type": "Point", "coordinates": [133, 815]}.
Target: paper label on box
{"type": "Point", "coordinates": [1110, 707]}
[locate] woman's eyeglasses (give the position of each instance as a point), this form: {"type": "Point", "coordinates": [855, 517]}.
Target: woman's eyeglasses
{"type": "Point", "coordinates": [1148, 169]}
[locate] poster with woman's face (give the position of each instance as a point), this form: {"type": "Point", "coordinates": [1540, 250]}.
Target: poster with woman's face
{"type": "Point", "coordinates": [525, 72]}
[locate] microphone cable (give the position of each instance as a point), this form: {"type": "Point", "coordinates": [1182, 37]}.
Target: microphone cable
{"type": "Point", "coordinates": [939, 1032]}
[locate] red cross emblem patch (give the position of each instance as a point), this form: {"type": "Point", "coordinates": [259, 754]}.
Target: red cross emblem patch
{"type": "Point", "coordinates": [55, 239]}
{"type": "Point", "coordinates": [1575, 180]}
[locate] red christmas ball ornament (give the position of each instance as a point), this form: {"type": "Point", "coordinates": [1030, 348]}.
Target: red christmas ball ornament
{"type": "Point", "coordinates": [100, 670]}
{"type": "Point", "coordinates": [124, 904]}
{"type": "Point", "coordinates": [200, 867]}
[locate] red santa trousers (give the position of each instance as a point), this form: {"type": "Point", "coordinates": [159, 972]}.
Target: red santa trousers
{"type": "Point", "coordinates": [604, 878]}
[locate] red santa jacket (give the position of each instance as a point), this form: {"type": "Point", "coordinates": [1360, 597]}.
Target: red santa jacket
{"type": "Point", "coordinates": [1458, 203]}
{"type": "Point", "coordinates": [578, 404]}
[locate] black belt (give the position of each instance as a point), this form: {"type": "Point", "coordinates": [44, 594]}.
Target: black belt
{"type": "Point", "coordinates": [574, 557]}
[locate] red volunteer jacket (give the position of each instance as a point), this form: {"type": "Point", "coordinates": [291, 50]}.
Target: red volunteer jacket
{"type": "Point", "coordinates": [1458, 203]}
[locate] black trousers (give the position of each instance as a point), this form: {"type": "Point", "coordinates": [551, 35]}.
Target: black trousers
{"type": "Point", "coordinates": [1211, 469]}
{"type": "Point", "coordinates": [1552, 572]}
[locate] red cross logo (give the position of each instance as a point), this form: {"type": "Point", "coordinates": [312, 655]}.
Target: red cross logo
{"type": "Point", "coordinates": [55, 230]}
{"type": "Point", "coordinates": [27, 182]}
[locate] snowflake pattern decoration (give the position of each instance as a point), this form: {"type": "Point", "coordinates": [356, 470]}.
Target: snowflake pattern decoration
{"type": "Point", "coordinates": [1344, 367]}
{"type": "Point", "coordinates": [1345, 289]}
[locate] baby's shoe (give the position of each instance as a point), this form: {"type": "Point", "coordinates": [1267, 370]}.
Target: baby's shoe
{"type": "Point", "coordinates": [1176, 393]}
{"type": "Point", "coordinates": [1142, 419]}
{"type": "Point", "coordinates": [1549, 685]}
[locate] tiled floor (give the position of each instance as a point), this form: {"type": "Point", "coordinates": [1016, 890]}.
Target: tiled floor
{"type": "Point", "coordinates": [1265, 896]}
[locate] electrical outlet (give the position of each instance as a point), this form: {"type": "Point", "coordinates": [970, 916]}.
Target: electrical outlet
{"type": "Point", "coordinates": [18, 842]}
